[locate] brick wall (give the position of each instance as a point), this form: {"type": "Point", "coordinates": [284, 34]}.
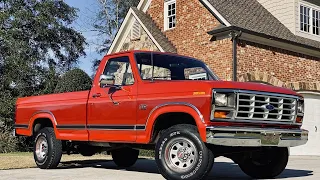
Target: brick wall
{"type": "Point", "coordinates": [190, 35]}
{"type": "Point", "coordinates": [276, 66]}
{"type": "Point", "coordinates": [283, 65]}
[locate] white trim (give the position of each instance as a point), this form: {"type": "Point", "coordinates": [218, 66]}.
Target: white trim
{"type": "Point", "coordinates": [214, 10]}
{"type": "Point", "coordinates": [125, 34]}
{"type": "Point", "coordinates": [140, 4]}
{"type": "Point", "coordinates": [144, 5]}
{"type": "Point", "coordinates": [147, 6]}
{"type": "Point", "coordinates": [311, 7]}
{"type": "Point", "coordinates": [125, 30]}
{"type": "Point", "coordinates": [166, 16]}
{"type": "Point", "coordinates": [116, 39]}
{"type": "Point", "coordinates": [149, 34]}
{"type": "Point", "coordinates": [309, 4]}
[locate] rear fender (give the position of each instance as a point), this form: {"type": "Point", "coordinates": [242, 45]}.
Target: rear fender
{"type": "Point", "coordinates": [176, 107]}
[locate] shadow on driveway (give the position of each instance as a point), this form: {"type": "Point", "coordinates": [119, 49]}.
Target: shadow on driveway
{"type": "Point", "coordinates": [220, 170]}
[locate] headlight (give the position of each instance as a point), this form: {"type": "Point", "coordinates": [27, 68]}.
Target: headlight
{"type": "Point", "coordinates": [221, 99]}
{"type": "Point", "coordinates": [224, 100]}
{"type": "Point", "coordinates": [300, 106]}
{"type": "Point", "coordinates": [223, 104]}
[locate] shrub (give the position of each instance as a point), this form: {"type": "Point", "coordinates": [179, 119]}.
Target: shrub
{"type": "Point", "coordinates": [74, 80]}
{"type": "Point", "coordinates": [8, 143]}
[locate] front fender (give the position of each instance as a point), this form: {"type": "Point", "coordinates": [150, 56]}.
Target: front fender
{"type": "Point", "coordinates": [176, 107]}
{"type": "Point", "coordinates": [42, 115]}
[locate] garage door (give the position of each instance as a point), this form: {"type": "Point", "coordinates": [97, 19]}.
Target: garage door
{"type": "Point", "coordinates": [312, 123]}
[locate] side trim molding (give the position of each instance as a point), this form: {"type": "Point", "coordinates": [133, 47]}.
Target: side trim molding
{"type": "Point", "coordinates": [111, 127]}
{"type": "Point", "coordinates": [71, 127]}
{"type": "Point", "coordinates": [102, 127]}
{"type": "Point", "coordinates": [21, 126]}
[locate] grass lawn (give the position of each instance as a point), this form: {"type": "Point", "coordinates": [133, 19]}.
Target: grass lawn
{"type": "Point", "coordinates": [25, 160]}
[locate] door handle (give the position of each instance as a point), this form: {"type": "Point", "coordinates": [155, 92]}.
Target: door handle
{"type": "Point", "coordinates": [96, 95]}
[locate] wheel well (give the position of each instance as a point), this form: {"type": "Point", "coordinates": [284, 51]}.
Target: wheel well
{"type": "Point", "coordinates": [40, 124]}
{"type": "Point", "coordinates": [165, 121]}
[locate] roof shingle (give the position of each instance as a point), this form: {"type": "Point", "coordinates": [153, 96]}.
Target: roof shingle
{"type": "Point", "coordinates": [251, 15]}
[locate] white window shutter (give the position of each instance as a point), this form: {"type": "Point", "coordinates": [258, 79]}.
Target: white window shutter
{"type": "Point", "coordinates": [135, 31]}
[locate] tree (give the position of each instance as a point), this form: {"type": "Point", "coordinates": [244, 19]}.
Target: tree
{"type": "Point", "coordinates": [108, 22]}
{"type": "Point", "coordinates": [74, 80]}
{"type": "Point", "coordinates": [37, 45]}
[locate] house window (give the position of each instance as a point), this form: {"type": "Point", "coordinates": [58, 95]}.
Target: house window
{"type": "Point", "coordinates": [310, 19]}
{"type": "Point", "coordinates": [316, 22]}
{"type": "Point", "coordinates": [170, 14]}
{"type": "Point", "coordinates": [304, 18]}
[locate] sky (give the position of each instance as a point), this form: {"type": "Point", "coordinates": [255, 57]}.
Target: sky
{"type": "Point", "coordinates": [87, 10]}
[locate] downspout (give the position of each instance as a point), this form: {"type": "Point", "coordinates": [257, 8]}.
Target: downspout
{"type": "Point", "coordinates": [234, 37]}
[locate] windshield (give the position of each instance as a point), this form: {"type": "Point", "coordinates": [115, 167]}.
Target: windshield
{"type": "Point", "coordinates": [171, 67]}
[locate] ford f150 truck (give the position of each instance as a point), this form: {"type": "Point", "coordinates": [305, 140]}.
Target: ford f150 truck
{"type": "Point", "coordinates": [174, 105]}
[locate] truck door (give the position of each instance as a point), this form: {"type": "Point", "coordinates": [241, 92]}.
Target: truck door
{"type": "Point", "coordinates": [112, 111]}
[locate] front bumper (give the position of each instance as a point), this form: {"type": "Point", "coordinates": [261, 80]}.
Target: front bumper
{"type": "Point", "coordinates": [255, 137]}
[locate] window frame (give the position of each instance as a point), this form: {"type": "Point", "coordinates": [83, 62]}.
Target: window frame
{"type": "Point", "coordinates": [312, 27]}
{"type": "Point", "coordinates": [112, 59]}
{"type": "Point", "coordinates": [167, 16]}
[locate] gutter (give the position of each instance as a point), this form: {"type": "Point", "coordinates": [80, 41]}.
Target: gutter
{"type": "Point", "coordinates": [234, 38]}
{"type": "Point", "coordinates": [260, 38]}
{"type": "Point", "coordinates": [235, 28]}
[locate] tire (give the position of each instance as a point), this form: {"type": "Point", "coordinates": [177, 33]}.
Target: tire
{"type": "Point", "coordinates": [181, 154]}
{"type": "Point", "coordinates": [86, 150]}
{"type": "Point", "coordinates": [125, 157]}
{"type": "Point", "coordinates": [265, 164]}
{"type": "Point", "coordinates": [47, 150]}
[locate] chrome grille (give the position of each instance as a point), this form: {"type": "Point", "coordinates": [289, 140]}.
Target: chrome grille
{"type": "Point", "coordinates": [265, 107]}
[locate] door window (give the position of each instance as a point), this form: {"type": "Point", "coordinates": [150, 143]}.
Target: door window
{"type": "Point", "coordinates": [120, 68]}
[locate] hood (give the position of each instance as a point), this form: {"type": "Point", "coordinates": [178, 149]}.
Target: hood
{"type": "Point", "coordinates": [252, 87]}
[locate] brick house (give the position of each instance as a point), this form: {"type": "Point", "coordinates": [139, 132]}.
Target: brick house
{"type": "Point", "coordinates": [275, 42]}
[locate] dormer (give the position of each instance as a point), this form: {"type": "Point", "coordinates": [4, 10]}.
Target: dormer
{"type": "Point", "coordinates": [301, 17]}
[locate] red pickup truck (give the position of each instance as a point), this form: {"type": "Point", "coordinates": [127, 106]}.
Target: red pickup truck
{"type": "Point", "coordinates": [174, 105]}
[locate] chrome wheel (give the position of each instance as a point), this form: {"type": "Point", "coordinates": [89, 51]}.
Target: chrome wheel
{"type": "Point", "coordinates": [181, 155]}
{"type": "Point", "coordinates": [41, 148]}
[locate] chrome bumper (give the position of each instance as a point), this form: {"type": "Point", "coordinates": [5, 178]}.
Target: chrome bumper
{"type": "Point", "coordinates": [255, 137]}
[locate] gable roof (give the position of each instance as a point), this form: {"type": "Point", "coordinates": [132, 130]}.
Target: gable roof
{"type": "Point", "coordinates": [156, 33]}
{"type": "Point", "coordinates": [252, 16]}
{"type": "Point", "coordinates": [158, 38]}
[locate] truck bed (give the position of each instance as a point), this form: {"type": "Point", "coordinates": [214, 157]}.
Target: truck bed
{"type": "Point", "coordinates": [68, 108]}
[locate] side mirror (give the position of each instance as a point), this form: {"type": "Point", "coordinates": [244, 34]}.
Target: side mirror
{"type": "Point", "coordinates": [107, 80]}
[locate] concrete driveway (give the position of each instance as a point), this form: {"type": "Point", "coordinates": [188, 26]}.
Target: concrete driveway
{"type": "Point", "coordinates": [306, 167]}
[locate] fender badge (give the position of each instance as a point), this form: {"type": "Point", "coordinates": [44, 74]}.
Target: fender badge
{"type": "Point", "coordinates": [199, 93]}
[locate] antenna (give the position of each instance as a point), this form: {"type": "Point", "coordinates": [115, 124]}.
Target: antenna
{"type": "Point", "coordinates": [152, 73]}
{"type": "Point", "coordinates": [152, 79]}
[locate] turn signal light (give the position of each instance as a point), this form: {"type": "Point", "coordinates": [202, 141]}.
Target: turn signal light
{"type": "Point", "coordinates": [220, 114]}
{"type": "Point", "coordinates": [299, 119]}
